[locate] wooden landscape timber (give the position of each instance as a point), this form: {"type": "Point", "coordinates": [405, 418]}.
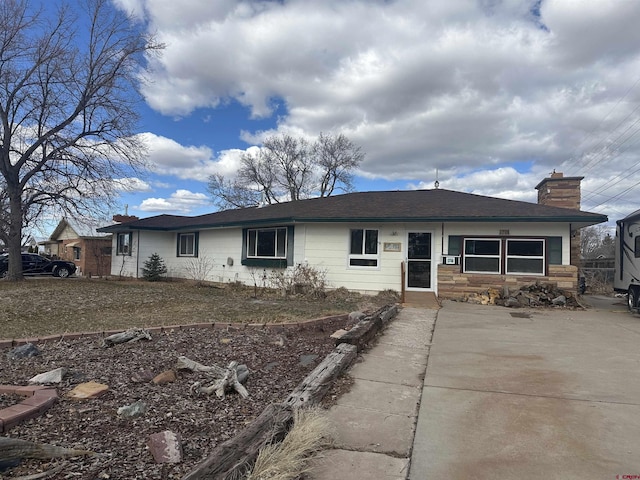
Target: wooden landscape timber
{"type": "Point", "coordinates": [365, 330]}
{"type": "Point", "coordinates": [233, 458]}
{"type": "Point", "coordinates": [314, 387]}
{"type": "Point", "coordinates": [237, 454]}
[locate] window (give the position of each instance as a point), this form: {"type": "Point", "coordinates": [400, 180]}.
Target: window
{"type": "Point", "coordinates": [636, 250]}
{"type": "Point", "coordinates": [554, 246]}
{"type": "Point", "coordinates": [268, 247]}
{"type": "Point", "coordinates": [267, 243]}
{"type": "Point", "coordinates": [508, 255]}
{"type": "Point", "coordinates": [525, 256]}
{"type": "Point", "coordinates": [188, 244]}
{"type": "Point", "coordinates": [482, 255]}
{"type": "Point", "coordinates": [123, 246]}
{"type": "Point", "coordinates": [76, 253]}
{"type": "Point", "coordinates": [363, 250]}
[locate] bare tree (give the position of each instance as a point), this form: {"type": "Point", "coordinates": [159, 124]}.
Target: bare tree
{"type": "Point", "coordinates": [596, 241]}
{"type": "Point", "coordinates": [337, 157]}
{"type": "Point", "coordinates": [286, 168]}
{"type": "Point", "coordinates": [67, 108]}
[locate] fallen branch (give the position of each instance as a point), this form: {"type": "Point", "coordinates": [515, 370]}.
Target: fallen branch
{"type": "Point", "coordinates": [233, 377]}
{"type": "Point", "coordinates": [131, 335]}
{"type": "Point", "coordinates": [15, 449]}
{"type": "Point", "coordinates": [185, 363]}
{"type": "Point", "coordinates": [48, 473]}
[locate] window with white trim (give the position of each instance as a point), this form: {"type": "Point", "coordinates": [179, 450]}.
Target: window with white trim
{"type": "Point", "coordinates": [267, 243]}
{"type": "Point", "coordinates": [363, 250]}
{"type": "Point", "coordinates": [482, 255]}
{"type": "Point", "coordinates": [123, 244]}
{"type": "Point", "coordinates": [526, 256]}
{"type": "Point", "coordinates": [187, 245]}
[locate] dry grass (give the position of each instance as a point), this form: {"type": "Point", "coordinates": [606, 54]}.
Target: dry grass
{"type": "Point", "coordinates": [288, 460]}
{"type": "Point", "coordinates": [47, 306]}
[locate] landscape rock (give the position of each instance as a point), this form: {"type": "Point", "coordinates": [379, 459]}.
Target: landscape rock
{"type": "Point", "coordinates": [338, 333]}
{"type": "Point", "coordinates": [355, 317]}
{"type": "Point", "coordinates": [52, 376]}
{"type": "Point", "coordinates": [165, 447]}
{"type": "Point", "coordinates": [307, 359]}
{"type": "Point", "coordinates": [559, 300]}
{"type": "Point", "coordinates": [535, 295]}
{"type": "Point", "coordinates": [167, 376]}
{"type": "Point", "coordinates": [88, 390]}
{"type": "Point", "coordinates": [23, 351]}
{"type": "Point", "coordinates": [512, 302]}
{"type": "Point", "coordinates": [142, 376]}
{"type": "Point", "coordinates": [135, 409]}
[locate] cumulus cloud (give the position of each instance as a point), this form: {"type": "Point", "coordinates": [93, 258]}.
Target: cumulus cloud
{"type": "Point", "coordinates": [181, 201]}
{"type": "Point", "coordinates": [131, 185]}
{"type": "Point", "coordinates": [452, 85]}
{"type": "Point", "coordinates": [188, 162]}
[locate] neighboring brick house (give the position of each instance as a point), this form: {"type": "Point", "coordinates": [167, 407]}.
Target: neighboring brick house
{"type": "Point", "coordinates": [80, 243]}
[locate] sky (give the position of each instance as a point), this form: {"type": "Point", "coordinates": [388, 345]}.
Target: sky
{"type": "Point", "coordinates": [485, 96]}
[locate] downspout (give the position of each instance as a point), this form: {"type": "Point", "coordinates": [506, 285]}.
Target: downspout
{"type": "Point", "coordinates": [138, 257]}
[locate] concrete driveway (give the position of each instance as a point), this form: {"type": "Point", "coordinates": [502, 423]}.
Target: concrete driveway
{"type": "Point", "coordinates": [531, 394]}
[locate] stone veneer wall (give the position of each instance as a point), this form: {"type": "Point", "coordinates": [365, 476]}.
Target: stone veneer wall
{"type": "Point", "coordinates": [452, 284]}
{"type": "Point", "coordinates": [564, 192]}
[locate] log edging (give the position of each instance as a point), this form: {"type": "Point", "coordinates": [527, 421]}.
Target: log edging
{"type": "Point", "coordinates": [366, 329]}
{"type": "Point", "coordinates": [235, 456]}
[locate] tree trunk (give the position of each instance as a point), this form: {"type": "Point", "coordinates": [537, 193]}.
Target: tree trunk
{"type": "Point", "coordinates": [14, 245]}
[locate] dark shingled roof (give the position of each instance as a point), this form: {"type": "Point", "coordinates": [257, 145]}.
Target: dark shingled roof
{"type": "Point", "coordinates": [436, 205]}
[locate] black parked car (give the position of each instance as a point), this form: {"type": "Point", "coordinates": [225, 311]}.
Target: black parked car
{"type": "Point", "coordinates": [33, 264]}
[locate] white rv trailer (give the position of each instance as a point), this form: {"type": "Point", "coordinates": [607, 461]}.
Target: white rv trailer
{"type": "Point", "coordinates": [627, 267]}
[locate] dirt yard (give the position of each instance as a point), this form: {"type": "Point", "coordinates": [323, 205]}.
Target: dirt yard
{"type": "Point", "coordinates": [277, 360]}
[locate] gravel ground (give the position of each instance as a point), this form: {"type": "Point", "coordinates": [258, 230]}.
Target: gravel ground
{"type": "Point", "coordinates": [277, 363]}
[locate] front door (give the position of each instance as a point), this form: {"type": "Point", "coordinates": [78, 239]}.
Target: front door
{"type": "Point", "coordinates": [419, 260]}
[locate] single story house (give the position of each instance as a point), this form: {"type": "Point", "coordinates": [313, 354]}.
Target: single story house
{"type": "Point", "coordinates": [80, 243]}
{"type": "Point", "coordinates": [446, 242]}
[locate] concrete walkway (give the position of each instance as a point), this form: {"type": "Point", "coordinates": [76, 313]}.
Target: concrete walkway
{"type": "Point", "coordinates": [514, 394]}
{"type": "Point", "coordinates": [374, 422]}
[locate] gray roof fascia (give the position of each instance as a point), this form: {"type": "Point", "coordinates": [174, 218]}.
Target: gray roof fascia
{"type": "Point", "coordinates": [588, 220]}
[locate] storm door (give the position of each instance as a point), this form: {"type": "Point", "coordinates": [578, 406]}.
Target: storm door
{"type": "Point", "coordinates": [419, 260]}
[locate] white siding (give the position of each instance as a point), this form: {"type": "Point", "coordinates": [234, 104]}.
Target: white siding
{"type": "Point", "coordinates": [325, 246]}
{"type": "Point", "coordinates": [125, 265]}
{"type": "Point", "coordinates": [67, 233]}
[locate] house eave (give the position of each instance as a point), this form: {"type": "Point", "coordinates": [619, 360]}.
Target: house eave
{"type": "Point", "coordinates": [577, 220]}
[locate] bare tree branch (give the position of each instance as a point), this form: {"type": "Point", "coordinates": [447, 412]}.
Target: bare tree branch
{"type": "Point", "coordinates": [287, 169]}
{"type": "Point", "coordinates": [67, 110]}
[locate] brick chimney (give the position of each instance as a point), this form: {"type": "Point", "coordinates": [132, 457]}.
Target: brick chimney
{"type": "Point", "coordinates": [560, 191]}
{"type": "Point", "coordinates": [124, 218]}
